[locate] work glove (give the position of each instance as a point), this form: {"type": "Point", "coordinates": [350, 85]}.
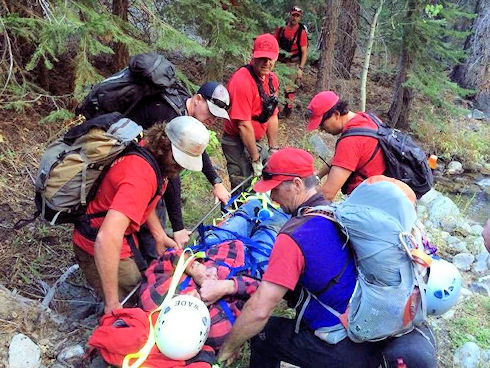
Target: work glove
{"type": "Point", "coordinates": [257, 166]}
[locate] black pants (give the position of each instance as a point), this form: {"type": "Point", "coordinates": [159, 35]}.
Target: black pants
{"type": "Point", "coordinates": [278, 342]}
{"type": "Point", "coordinates": [145, 238]}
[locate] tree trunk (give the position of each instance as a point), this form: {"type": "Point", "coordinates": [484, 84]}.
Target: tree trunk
{"type": "Point", "coordinates": [347, 37]}
{"type": "Point", "coordinates": [367, 58]}
{"type": "Point", "coordinates": [403, 96]}
{"type": "Point", "coordinates": [121, 53]}
{"type": "Point", "coordinates": [329, 37]}
{"type": "Point", "coordinates": [474, 73]}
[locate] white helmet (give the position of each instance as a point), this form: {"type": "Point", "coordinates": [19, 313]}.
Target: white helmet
{"type": "Point", "coordinates": [443, 286]}
{"type": "Point", "coordinates": [182, 327]}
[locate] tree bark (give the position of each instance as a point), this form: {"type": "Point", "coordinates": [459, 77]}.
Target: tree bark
{"type": "Point", "coordinates": [347, 37]}
{"type": "Point", "coordinates": [329, 37]}
{"type": "Point", "coordinates": [121, 53]}
{"type": "Point", "coordinates": [402, 96]}
{"type": "Point", "coordinates": [474, 73]}
{"type": "Point", "coordinates": [367, 58]}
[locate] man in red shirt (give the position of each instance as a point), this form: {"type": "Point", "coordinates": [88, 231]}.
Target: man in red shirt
{"type": "Point", "coordinates": [253, 112]}
{"type": "Point", "coordinates": [105, 244]}
{"type": "Point", "coordinates": [293, 42]}
{"type": "Point", "coordinates": [356, 157]}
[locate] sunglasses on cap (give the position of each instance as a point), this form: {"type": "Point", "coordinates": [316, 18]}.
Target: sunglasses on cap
{"type": "Point", "coordinates": [218, 103]}
{"type": "Point", "coordinates": [269, 175]}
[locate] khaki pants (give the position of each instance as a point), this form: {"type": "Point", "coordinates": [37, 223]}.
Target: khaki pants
{"type": "Point", "coordinates": [128, 273]}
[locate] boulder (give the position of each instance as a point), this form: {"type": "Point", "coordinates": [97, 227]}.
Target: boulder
{"type": "Point", "coordinates": [467, 356]}
{"type": "Point", "coordinates": [455, 168]}
{"type": "Point", "coordinates": [24, 353]}
{"type": "Point", "coordinates": [463, 261]}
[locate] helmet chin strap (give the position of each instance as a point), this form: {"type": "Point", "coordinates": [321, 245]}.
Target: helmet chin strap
{"type": "Point", "coordinates": [143, 353]}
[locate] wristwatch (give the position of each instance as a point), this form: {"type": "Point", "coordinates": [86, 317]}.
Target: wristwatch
{"type": "Point", "coordinates": [217, 180]}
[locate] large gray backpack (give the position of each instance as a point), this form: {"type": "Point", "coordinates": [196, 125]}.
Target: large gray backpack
{"type": "Point", "coordinates": [72, 167]}
{"type": "Point", "coordinates": [380, 223]}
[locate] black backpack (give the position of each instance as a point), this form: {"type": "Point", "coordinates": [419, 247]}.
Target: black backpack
{"type": "Point", "coordinates": [286, 44]}
{"type": "Point", "coordinates": [269, 102]}
{"type": "Point", "coordinates": [147, 75]}
{"type": "Point", "coordinates": [404, 160]}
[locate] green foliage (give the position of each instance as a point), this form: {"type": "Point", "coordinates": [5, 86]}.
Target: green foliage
{"type": "Point", "coordinates": [214, 145]}
{"type": "Point", "coordinates": [57, 115]}
{"type": "Point", "coordinates": [451, 138]}
{"type": "Point", "coordinates": [470, 322]}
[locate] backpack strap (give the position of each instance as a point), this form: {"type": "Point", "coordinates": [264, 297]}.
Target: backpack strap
{"type": "Point", "coordinates": [364, 132]}
{"type": "Point", "coordinates": [301, 27]}
{"type": "Point", "coordinates": [263, 96]}
{"type": "Point", "coordinates": [83, 224]}
{"type": "Point", "coordinates": [262, 93]}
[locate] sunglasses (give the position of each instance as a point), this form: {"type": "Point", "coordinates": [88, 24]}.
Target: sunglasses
{"type": "Point", "coordinates": [218, 103]}
{"type": "Point", "coordinates": [269, 175]}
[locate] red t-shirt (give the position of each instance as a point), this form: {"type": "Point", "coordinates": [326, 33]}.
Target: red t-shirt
{"type": "Point", "coordinates": [353, 152]}
{"type": "Point", "coordinates": [289, 33]}
{"type": "Point", "coordinates": [286, 263]}
{"type": "Point", "coordinates": [245, 101]}
{"type": "Point", "coordinates": [128, 188]}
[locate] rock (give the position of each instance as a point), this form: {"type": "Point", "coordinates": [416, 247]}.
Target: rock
{"type": "Point", "coordinates": [477, 114]}
{"type": "Point", "coordinates": [456, 248]}
{"type": "Point", "coordinates": [475, 167]}
{"type": "Point", "coordinates": [462, 228]}
{"type": "Point", "coordinates": [452, 239]}
{"type": "Point", "coordinates": [463, 261]}
{"type": "Point", "coordinates": [467, 356]}
{"type": "Point", "coordinates": [478, 246]}
{"type": "Point", "coordinates": [476, 230]}
{"type": "Point", "coordinates": [430, 196]}
{"type": "Point", "coordinates": [449, 223]}
{"type": "Point", "coordinates": [455, 168]}
{"type": "Point", "coordinates": [75, 351]}
{"type": "Point", "coordinates": [485, 358]}
{"type": "Point", "coordinates": [421, 211]}
{"type": "Point", "coordinates": [481, 263]}
{"type": "Point", "coordinates": [465, 292]}
{"type": "Point", "coordinates": [24, 353]}
{"type": "Point", "coordinates": [449, 315]}
{"type": "Point", "coordinates": [440, 208]}
{"type": "Point", "coordinates": [486, 169]}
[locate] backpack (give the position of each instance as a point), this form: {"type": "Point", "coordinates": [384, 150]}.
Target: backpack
{"type": "Point", "coordinates": [404, 160]}
{"type": "Point", "coordinates": [389, 296]}
{"type": "Point", "coordinates": [286, 44]}
{"type": "Point", "coordinates": [73, 166]}
{"type": "Point", "coordinates": [269, 102]}
{"type": "Point", "coordinates": [147, 75]}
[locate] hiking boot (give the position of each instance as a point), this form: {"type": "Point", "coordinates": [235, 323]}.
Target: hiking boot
{"type": "Point", "coordinates": [285, 112]}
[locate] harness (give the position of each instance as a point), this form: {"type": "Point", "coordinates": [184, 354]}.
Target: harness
{"type": "Point", "coordinates": [286, 44]}
{"type": "Point", "coordinates": [269, 102]}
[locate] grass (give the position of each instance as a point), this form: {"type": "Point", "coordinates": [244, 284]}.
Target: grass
{"type": "Point", "coordinates": [452, 137]}
{"type": "Point", "coordinates": [471, 323]}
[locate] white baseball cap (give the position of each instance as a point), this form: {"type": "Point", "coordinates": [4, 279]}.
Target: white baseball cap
{"type": "Point", "coordinates": [189, 139]}
{"type": "Point", "coordinates": [217, 97]}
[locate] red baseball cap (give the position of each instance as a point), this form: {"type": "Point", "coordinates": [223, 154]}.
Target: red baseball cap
{"type": "Point", "coordinates": [284, 165]}
{"type": "Point", "coordinates": [318, 106]}
{"type": "Point", "coordinates": [296, 10]}
{"type": "Point", "coordinates": [266, 46]}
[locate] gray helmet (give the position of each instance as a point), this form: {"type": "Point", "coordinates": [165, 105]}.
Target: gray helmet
{"type": "Point", "coordinates": [189, 139]}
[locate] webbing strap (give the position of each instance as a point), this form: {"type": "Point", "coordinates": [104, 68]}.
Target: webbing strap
{"type": "Point", "coordinates": [227, 310]}
{"type": "Point", "coordinates": [143, 353]}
